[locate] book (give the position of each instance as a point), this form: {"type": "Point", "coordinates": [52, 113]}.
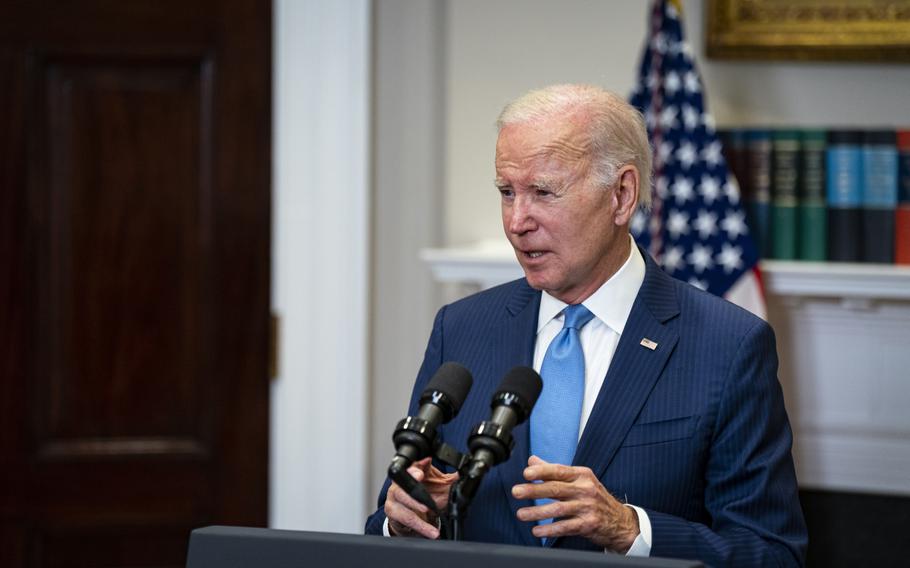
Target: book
{"type": "Point", "coordinates": [733, 141]}
{"type": "Point", "coordinates": [902, 214]}
{"type": "Point", "coordinates": [785, 157]}
{"type": "Point", "coordinates": [757, 188]}
{"type": "Point", "coordinates": [812, 222]}
{"type": "Point", "coordinates": [879, 195]}
{"type": "Point", "coordinates": [844, 178]}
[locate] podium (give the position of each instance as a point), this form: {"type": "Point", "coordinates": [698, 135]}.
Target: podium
{"type": "Point", "coordinates": [241, 547]}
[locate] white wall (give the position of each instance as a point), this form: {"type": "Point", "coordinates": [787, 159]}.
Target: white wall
{"type": "Point", "coordinates": [407, 151]}
{"type": "Point", "coordinates": [320, 259]}
{"type": "Point", "coordinates": [498, 49]}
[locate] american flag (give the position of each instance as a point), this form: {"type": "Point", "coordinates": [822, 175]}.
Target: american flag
{"type": "Point", "coordinates": [696, 228]}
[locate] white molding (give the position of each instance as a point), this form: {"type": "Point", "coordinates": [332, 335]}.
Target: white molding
{"type": "Point", "coordinates": [320, 267]}
{"type": "Point", "coordinates": [488, 263]}
{"type": "Point", "coordinates": [839, 280]}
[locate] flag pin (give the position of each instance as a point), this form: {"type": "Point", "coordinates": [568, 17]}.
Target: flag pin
{"type": "Point", "coordinates": [652, 345]}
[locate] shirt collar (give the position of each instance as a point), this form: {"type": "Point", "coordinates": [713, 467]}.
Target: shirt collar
{"type": "Point", "coordinates": [612, 302]}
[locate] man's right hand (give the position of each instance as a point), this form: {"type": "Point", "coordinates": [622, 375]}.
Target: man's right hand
{"type": "Point", "coordinates": [406, 516]}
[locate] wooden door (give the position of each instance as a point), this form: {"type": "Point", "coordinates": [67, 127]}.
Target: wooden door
{"type": "Point", "coordinates": [134, 276]}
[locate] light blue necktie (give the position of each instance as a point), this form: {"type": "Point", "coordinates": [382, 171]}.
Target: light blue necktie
{"type": "Point", "coordinates": [555, 419]}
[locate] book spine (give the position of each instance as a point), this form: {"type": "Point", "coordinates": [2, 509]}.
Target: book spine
{"type": "Point", "coordinates": [785, 156]}
{"type": "Point", "coordinates": [734, 144]}
{"type": "Point", "coordinates": [812, 216]}
{"type": "Point", "coordinates": [879, 195]}
{"type": "Point", "coordinates": [844, 162]}
{"type": "Point", "coordinates": [757, 193]}
{"type": "Point", "coordinates": [902, 214]}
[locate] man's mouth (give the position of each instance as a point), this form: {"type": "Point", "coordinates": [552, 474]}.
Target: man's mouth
{"type": "Point", "coordinates": [533, 253]}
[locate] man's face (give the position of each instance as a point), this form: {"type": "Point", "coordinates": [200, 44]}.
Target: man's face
{"type": "Point", "coordinates": [569, 235]}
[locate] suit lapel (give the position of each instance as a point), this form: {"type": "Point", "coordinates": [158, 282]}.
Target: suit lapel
{"type": "Point", "coordinates": [633, 372]}
{"type": "Point", "coordinates": [514, 346]}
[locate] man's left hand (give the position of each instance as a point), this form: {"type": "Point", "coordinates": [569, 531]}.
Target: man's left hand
{"type": "Point", "coordinates": [581, 506]}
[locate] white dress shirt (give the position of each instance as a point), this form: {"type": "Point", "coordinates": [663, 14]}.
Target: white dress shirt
{"type": "Point", "coordinates": [611, 305]}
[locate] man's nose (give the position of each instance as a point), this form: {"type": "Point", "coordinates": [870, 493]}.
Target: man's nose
{"type": "Point", "coordinates": [521, 218]}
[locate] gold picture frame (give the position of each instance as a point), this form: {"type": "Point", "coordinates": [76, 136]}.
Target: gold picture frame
{"type": "Point", "coordinates": [845, 30]}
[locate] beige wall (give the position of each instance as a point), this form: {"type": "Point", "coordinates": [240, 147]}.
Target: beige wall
{"type": "Point", "coordinates": [497, 49]}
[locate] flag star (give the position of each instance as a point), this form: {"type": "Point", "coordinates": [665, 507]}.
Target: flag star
{"type": "Point", "coordinates": [650, 119]}
{"type": "Point", "coordinates": [665, 152]}
{"type": "Point", "coordinates": [690, 117]}
{"type": "Point", "coordinates": [672, 259]}
{"type": "Point", "coordinates": [700, 284]}
{"type": "Point", "coordinates": [708, 121]}
{"type": "Point", "coordinates": [706, 224]}
{"type": "Point", "coordinates": [671, 11]}
{"type": "Point", "coordinates": [731, 189]}
{"type": "Point", "coordinates": [672, 82]}
{"type": "Point", "coordinates": [700, 258]}
{"type": "Point", "coordinates": [668, 117]}
{"type": "Point", "coordinates": [659, 43]}
{"type": "Point", "coordinates": [686, 49]}
{"type": "Point", "coordinates": [691, 82]}
{"type": "Point", "coordinates": [675, 48]}
{"type": "Point", "coordinates": [712, 154]}
{"type": "Point", "coordinates": [639, 221]}
{"type": "Point", "coordinates": [709, 188]}
{"type": "Point", "coordinates": [686, 155]}
{"type": "Point", "coordinates": [730, 258]}
{"type": "Point", "coordinates": [677, 223]}
{"type": "Point", "coordinates": [682, 189]}
{"type": "Point", "coordinates": [661, 186]}
{"type": "Point", "coordinates": [734, 224]}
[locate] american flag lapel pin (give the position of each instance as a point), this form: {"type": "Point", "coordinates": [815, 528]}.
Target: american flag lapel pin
{"type": "Point", "coordinates": [652, 345]}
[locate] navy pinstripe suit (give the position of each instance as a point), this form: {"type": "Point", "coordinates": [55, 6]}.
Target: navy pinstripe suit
{"type": "Point", "coordinates": [694, 431]}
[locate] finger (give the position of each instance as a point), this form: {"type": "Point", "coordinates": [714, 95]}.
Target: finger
{"type": "Point", "coordinates": [417, 473]}
{"type": "Point", "coordinates": [552, 510]}
{"type": "Point", "coordinates": [410, 519]}
{"type": "Point", "coordinates": [557, 490]}
{"type": "Point", "coordinates": [571, 526]}
{"type": "Point", "coordinates": [398, 495]}
{"type": "Point", "coordinates": [536, 460]}
{"type": "Point", "coordinates": [550, 471]}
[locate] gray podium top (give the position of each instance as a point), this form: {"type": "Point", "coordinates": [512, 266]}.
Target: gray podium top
{"type": "Point", "coordinates": [241, 547]}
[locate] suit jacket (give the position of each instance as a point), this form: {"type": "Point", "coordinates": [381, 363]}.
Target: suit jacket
{"type": "Point", "coordinates": [693, 431]}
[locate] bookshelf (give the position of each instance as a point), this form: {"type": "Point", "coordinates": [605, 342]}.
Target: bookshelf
{"type": "Point", "coordinates": [843, 335]}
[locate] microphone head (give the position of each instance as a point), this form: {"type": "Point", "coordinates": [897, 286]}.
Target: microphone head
{"type": "Point", "coordinates": [521, 386]}
{"type": "Point", "coordinates": [453, 381]}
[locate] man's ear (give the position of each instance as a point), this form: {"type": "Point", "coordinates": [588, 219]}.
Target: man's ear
{"type": "Point", "coordinates": [626, 195]}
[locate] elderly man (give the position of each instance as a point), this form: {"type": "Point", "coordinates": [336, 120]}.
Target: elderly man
{"type": "Point", "coordinates": [661, 428]}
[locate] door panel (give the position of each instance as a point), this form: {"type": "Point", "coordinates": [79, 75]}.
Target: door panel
{"type": "Point", "coordinates": [134, 277]}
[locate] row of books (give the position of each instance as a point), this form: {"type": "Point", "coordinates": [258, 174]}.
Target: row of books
{"type": "Point", "coordinates": [825, 195]}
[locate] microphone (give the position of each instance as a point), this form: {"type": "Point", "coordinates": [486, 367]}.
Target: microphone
{"type": "Point", "coordinates": [415, 436]}
{"type": "Point", "coordinates": [491, 441]}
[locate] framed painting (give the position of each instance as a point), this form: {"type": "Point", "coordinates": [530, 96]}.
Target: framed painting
{"type": "Point", "coordinates": [845, 30]}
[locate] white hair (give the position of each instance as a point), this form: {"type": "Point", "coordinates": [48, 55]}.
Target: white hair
{"type": "Point", "coordinates": [617, 129]}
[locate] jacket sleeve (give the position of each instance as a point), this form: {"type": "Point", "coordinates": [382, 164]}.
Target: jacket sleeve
{"type": "Point", "coordinates": [751, 491]}
{"type": "Point", "coordinates": [432, 360]}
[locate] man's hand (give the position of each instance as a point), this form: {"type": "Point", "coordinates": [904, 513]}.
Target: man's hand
{"type": "Point", "coordinates": [581, 506]}
{"type": "Point", "coordinates": [406, 516]}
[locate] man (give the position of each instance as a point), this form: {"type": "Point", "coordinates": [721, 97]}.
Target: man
{"type": "Point", "coordinates": [679, 444]}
